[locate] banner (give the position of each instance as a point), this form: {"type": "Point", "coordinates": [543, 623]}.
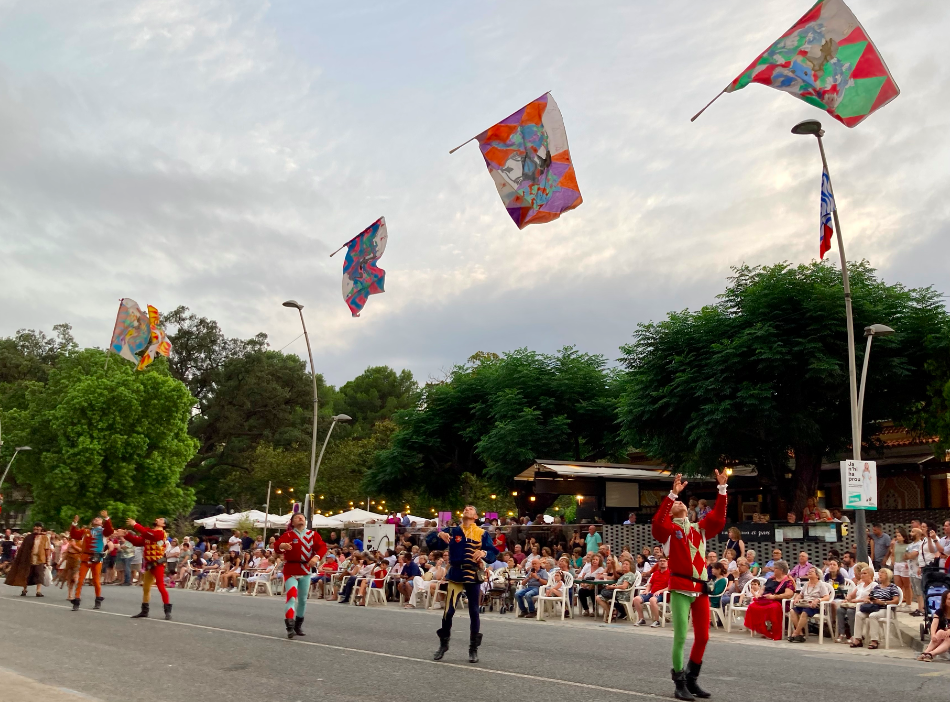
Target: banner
{"type": "Point", "coordinates": [859, 485]}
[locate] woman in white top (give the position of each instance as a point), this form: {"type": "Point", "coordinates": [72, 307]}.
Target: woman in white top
{"type": "Point", "coordinates": [807, 603]}
{"type": "Point", "coordinates": [591, 571]}
{"type": "Point", "coordinates": [863, 585]}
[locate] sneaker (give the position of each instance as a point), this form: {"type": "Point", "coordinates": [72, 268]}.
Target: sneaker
{"type": "Point", "coordinates": [642, 622]}
{"type": "Point", "coordinates": [655, 625]}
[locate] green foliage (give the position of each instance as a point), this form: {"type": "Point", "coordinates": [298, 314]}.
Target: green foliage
{"type": "Point", "coordinates": [28, 358]}
{"type": "Point", "coordinates": [374, 395]}
{"type": "Point", "coordinates": [763, 374]}
{"type": "Point", "coordinates": [113, 440]}
{"type": "Point", "coordinates": [493, 416]}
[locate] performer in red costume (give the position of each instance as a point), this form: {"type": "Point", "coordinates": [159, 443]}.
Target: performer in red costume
{"type": "Point", "coordinates": [153, 562]}
{"type": "Point", "coordinates": [685, 546]}
{"type": "Point", "coordinates": [92, 541]}
{"type": "Point", "coordinates": [301, 549]}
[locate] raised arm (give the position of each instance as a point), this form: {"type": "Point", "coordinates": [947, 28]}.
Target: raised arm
{"type": "Point", "coordinates": [434, 541]}
{"type": "Point", "coordinates": [715, 521]}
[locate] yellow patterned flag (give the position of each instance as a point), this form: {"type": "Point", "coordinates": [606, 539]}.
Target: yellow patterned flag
{"type": "Point", "coordinates": [160, 345]}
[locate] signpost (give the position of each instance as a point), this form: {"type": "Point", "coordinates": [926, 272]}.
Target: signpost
{"type": "Point", "coordinates": [859, 485]}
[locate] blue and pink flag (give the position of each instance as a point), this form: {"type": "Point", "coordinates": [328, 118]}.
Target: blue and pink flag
{"type": "Point", "coordinates": [361, 276]}
{"type": "Point", "coordinates": [827, 207]}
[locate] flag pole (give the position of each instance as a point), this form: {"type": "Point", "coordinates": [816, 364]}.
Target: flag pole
{"type": "Point", "coordinates": [693, 119]}
{"type": "Point", "coordinates": [477, 135]}
{"type": "Point", "coordinates": [357, 236]}
{"type": "Point", "coordinates": [109, 349]}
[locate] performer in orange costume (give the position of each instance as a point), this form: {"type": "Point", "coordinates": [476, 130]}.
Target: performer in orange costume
{"type": "Point", "coordinates": [153, 562]}
{"type": "Point", "coordinates": [92, 542]}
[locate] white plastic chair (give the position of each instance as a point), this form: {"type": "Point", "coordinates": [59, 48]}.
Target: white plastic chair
{"type": "Point", "coordinates": [627, 603]}
{"type": "Point", "coordinates": [377, 594]}
{"type": "Point", "coordinates": [263, 579]}
{"type": "Point", "coordinates": [562, 601]}
{"type": "Point", "coordinates": [732, 607]}
{"type": "Point", "coordinates": [890, 617]}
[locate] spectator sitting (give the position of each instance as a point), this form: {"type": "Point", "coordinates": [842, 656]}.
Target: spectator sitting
{"type": "Point", "coordinates": [555, 586]}
{"type": "Point", "coordinates": [871, 613]}
{"type": "Point", "coordinates": [230, 572]}
{"type": "Point", "coordinates": [847, 565]}
{"type": "Point", "coordinates": [625, 584]}
{"type": "Point", "coordinates": [754, 567]}
{"type": "Point", "coordinates": [710, 559]}
{"type": "Point", "coordinates": [729, 559]}
{"type": "Point", "coordinates": [410, 581]}
{"type": "Point", "coordinates": [536, 577]}
{"type": "Point", "coordinates": [657, 588]}
{"type": "Point", "coordinates": [755, 590]}
{"type": "Point", "coordinates": [800, 571]}
{"type": "Point", "coordinates": [717, 586]}
{"type": "Point", "coordinates": [702, 509]}
{"type": "Point", "coordinates": [807, 603]}
{"type": "Point", "coordinates": [791, 518]}
{"type": "Point", "coordinates": [811, 512]}
{"type": "Point", "coordinates": [518, 555]}
{"type": "Point", "coordinates": [592, 570]}
{"type": "Point", "coordinates": [378, 573]}
{"type": "Point", "coordinates": [742, 577]}
{"type": "Point", "coordinates": [325, 573]}
{"type": "Point", "coordinates": [767, 568]}
{"type": "Point", "coordinates": [577, 559]}
{"type": "Point", "coordinates": [262, 575]}
{"type": "Point", "coordinates": [846, 611]}
{"type": "Point", "coordinates": [764, 614]}
{"type": "Point", "coordinates": [691, 512]}
{"type": "Point", "coordinates": [939, 631]}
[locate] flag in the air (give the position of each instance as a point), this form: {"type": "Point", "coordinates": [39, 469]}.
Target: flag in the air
{"type": "Point", "coordinates": [827, 207]}
{"type": "Point", "coordinates": [827, 60]}
{"type": "Point", "coordinates": [528, 158]}
{"type": "Point", "coordinates": [131, 332]}
{"type": "Point", "coordinates": [361, 276]}
{"type": "Point", "coordinates": [160, 345]}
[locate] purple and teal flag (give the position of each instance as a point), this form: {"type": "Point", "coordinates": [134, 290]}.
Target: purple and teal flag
{"type": "Point", "coordinates": [528, 158]}
{"type": "Point", "coordinates": [827, 207]}
{"type": "Point", "coordinates": [361, 276]}
{"type": "Point", "coordinates": [131, 332]}
{"type": "Point", "coordinates": [827, 60]}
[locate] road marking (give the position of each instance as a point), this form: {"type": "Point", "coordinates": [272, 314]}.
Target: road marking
{"type": "Point", "coordinates": [380, 654]}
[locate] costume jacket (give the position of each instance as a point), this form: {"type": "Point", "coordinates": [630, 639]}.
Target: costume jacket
{"type": "Point", "coordinates": [93, 540]}
{"type": "Point", "coordinates": [153, 542]}
{"type": "Point", "coordinates": [463, 542]}
{"type": "Point", "coordinates": [303, 547]}
{"type": "Point", "coordinates": [19, 572]}
{"type": "Point", "coordinates": [684, 542]}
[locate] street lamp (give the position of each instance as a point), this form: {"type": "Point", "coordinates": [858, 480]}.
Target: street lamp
{"type": "Point", "coordinates": [313, 473]}
{"type": "Point", "coordinates": [313, 374]}
{"type": "Point", "coordinates": [15, 452]}
{"type": "Point", "coordinates": [812, 127]}
{"type": "Point", "coordinates": [869, 333]}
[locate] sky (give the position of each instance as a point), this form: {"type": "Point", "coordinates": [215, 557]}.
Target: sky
{"type": "Point", "coordinates": [213, 153]}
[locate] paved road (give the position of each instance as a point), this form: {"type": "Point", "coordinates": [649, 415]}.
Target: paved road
{"type": "Point", "coordinates": [234, 645]}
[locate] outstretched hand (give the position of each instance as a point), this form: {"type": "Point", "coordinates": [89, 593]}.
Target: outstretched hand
{"type": "Point", "coordinates": [721, 478]}
{"type": "Point", "coordinates": [679, 484]}
{"type": "Point", "coordinates": [130, 522]}
{"type": "Point", "coordinates": [76, 519]}
{"type": "Point", "coordinates": [104, 514]}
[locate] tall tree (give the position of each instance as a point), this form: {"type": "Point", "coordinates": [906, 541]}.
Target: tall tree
{"type": "Point", "coordinates": [113, 440]}
{"type": "Point", "coordinates": [763, 375]}
{"type": "Point", "coordinates": [375, 395]}
{"type": "Point", "coordinates": [494, 415]}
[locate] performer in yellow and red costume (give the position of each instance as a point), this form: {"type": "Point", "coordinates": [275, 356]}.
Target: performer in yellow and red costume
{"type": "Point", "coordinates": [92, 542]}
{"type": "Point", "coordinates": [685, 546]}
{"type": "Point", "coordinates": [153, 562]}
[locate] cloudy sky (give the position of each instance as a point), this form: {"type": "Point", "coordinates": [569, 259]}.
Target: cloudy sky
{"type": "Point", "coordinates": [213, 153]}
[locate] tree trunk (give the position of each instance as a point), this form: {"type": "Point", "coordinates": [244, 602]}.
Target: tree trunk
{"type": "Point", "coordinates": [807, 470]}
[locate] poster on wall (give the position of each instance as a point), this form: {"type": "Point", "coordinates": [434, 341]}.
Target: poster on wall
{"type": "Point", "coordinates": [859, 484]}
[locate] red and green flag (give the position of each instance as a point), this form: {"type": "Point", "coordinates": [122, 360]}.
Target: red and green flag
{"type": "Point", "coordinates": [827, 60]}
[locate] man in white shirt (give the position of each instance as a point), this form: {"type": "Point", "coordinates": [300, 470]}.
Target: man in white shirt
{"type": "Point", "coordinates": [234, 543]}
{"type": "Point", "coordinates": [631, 519]}
{"type": "Point", "coordinates": [944, 543]}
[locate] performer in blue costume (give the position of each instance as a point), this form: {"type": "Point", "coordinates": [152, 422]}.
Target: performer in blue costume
{"type": "Point", "coordinates": [468, 545]}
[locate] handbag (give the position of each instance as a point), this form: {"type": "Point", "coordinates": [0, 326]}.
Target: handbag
{"type": "Point", "coordinates": [870, 607]}
{"type": "Point", "coordinates": [47, 577]}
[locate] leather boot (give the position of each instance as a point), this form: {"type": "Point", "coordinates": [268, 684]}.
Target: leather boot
{"type": "Point", "coordinates": [298, 624]}
{"type": "Point", "coordinates": [681, 693]}
{"type": "Point", "coordinates": [98, 604]}
{"type": "Point", "coordinates": [443, 646]}
{"type": "Point", "coordinates": [289, 623]}
{"type": "Point", "coordinates": [168, 612]}
{"type": "Point", "coordinates": [76, 604]}
{"type": "Point", "coordinates": [143, 614]}
{"type": "Point", "coordinates": [692, 674]}
{"type": "Point", "coordinates": [473, 645]}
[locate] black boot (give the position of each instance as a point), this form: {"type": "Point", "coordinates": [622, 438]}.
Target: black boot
{"type": "Point", "coordinates": [98, 604]}
{"type": "Point", "coordinates": [298, 624]}
{"type": "Point", "coordinates": [76, 604]}
{"type": "Point", "coordinates": [679, 679]}
{"type": "Point", "coordinates": [473, 645]}
{"type": "Point", "coordinates": [289, 623]}
{"type": "Point", "coordinates": [443, 646]}
{"type": "Point", "coordinates": [168, 612]}
{"type": "Point", "coordinates": [143, 614]}
{"type": "Point", "coordinates": [692, 674]}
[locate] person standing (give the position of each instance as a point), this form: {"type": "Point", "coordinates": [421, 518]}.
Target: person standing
{"type": "Point", "coordinates": [593, 540]}
{"type": "Point", "coordinates": [468, 545]}
{"type": "Point", "coordinates": [685, 545]}
{"type": "Point", "coordinates": [301, 548]}
{"type": "Point", "coordinates": [880, 545]}
{"type": "Point", "coordinates": [152, 543]}
{"type": "Point", "coordinates": [92, 539]}
{"type": "Point", "coordinates": [30, 561]}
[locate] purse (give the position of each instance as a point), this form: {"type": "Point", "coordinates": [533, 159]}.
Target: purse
{"type": "Point", "coordinates": [870, 607]}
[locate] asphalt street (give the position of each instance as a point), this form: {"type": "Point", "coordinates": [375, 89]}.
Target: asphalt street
{"type": "Point", "coordinates": [222, 646]}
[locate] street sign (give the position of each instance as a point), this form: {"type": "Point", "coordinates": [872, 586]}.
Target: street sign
{"type": "Point", "coordinates": [859, 484]}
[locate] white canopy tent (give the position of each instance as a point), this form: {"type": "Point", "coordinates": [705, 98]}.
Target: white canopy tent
{"type": "Point", "coordinates": [359, 516]}
{"type": "Point", "coordinates": [233, 521]}
{"type": "Point", "coordinates": [417, 521]}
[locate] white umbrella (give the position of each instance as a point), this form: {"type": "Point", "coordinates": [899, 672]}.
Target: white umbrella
{"type": "Point", "coordinates": [320, 521]}
{"type": "Point", "coordinates": [359, 516]}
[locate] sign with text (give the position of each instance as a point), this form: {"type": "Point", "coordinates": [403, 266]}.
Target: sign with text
{"type": "Point", "coordinates": [859, 484]}
{"type": "Point", "coordinates": [751, 532]}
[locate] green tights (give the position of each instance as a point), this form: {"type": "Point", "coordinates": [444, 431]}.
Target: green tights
{"type": "Point", "coordinates": [681, 605]}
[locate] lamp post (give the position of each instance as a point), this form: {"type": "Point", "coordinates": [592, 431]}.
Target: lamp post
{"type": "Point", "coordinates": [869, 333]}
{"type": "Point", "coordinates": [313, 473]}
{"type": "Point", "coordinates": [812, 127]}
{"type": "Point", "coordinates": [15, 452]}
{"type": "Point", "coordinates": [313, 374]}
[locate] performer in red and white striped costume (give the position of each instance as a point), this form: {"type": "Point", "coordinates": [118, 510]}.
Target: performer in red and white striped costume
{"type": "Point", "coordinates": [301, 549]}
